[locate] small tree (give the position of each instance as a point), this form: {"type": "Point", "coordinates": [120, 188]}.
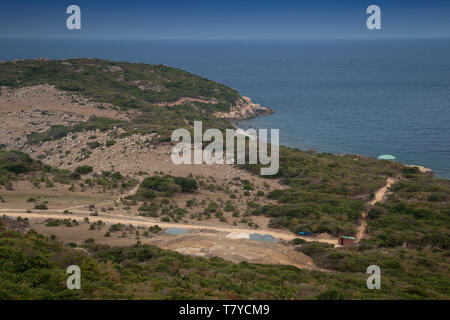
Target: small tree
{"type": "Point", "coordinates": [84, 170]}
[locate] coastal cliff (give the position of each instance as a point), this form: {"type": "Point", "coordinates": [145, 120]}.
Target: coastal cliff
{"type": "Point", "coordinates": [244, 109]}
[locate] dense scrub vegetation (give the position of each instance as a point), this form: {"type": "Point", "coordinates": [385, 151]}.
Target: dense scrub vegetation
{"type": "Point", "coordinates": [326, 192]}
{"type": "Point", "coordinates": [160, 120]}
{"type": "Point", "coordinates": [165, 185]}
{"type": "Point", "coordinates": [416, 214]}
{"type": "Point", "coordinates": [408, 235]}
{"type": "Point", "coordinates": [135, 85]}
{"type": "Point", "coordinates": [111, 180]}
{"type": "Point", "coordinates": [405, 273]}
{"type": "Point", "coordinates": [18, 166]}
{"type": "Point", "coordinates": [148, 272]}
{"type": "Point", "coordinates": [59, 131]}
{"type": "Point", "coordinates": [126, 86]}
{"type": "Point", "coordinates": [14, 163]}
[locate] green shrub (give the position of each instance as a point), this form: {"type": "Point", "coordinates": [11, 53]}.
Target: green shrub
{"type": "Point", "coordinates": [154, 229]}
{"type": "Point", "coordinates": [148, 194]}
{"type": "Point", "coordinates": [110, 143]}
{"type": "Point", "coordinates": [167, 185]}
{"type": "Point", "coordinates": [186, 184]}
{"type": "Point", "coordinates": [435, 197]}
{"type": "Point", "coordinates": [94, 144]}
{"type": "Point", "coordinates": [84, 169]}
{"type": "Point", "coordinates": [298, 241]}
{"type": "Point", "coordinates": [247, 187]}
{"type": "Point", "coordinates": [153, 207]}
{"type": "Point", "coordinates": [331, 294]}
{"type": "Point", "coordinates": [116, 227]}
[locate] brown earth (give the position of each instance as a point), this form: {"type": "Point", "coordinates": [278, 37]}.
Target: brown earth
{"type": "Point", "coordinates": [37, 108]}
{"type": "Point", "coordinates": [201, 243]}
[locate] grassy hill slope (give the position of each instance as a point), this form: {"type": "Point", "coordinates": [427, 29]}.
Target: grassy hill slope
{"type": "Point", "coordinates": [34, 267]}
{"type": "Point", "coordinates": [127, 85]}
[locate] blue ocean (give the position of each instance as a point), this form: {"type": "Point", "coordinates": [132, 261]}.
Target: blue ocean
{"type": "Point", "coordinates": [362, 97]}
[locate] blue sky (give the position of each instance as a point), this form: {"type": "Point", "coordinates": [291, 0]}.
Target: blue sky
{"type": "Point", "coordinates": [231, 19]}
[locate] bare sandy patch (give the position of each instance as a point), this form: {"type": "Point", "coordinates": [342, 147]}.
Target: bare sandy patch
{"type": "Point", "coordinates": [37, 108]}
{"type": "Point", "coordinates": [195, 243]}
{"type": "Point", "coordinates": [49, 98]}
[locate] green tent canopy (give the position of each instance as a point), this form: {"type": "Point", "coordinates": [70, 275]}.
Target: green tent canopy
{"type": "Point", "coordinates": [386, 157]}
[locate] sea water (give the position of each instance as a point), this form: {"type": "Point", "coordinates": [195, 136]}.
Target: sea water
{"type": "Point", "coordinates": [368, 97]}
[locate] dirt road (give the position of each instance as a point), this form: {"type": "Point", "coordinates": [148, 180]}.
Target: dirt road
{"type": "Point", "coordinates": [80, 215]}
{"type": "Point", "coordinates": [379, 196]}
{"type": "Point", "coordinates": [144, 221]}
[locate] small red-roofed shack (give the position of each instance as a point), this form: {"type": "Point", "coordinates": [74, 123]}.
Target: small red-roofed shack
{"type": "Point", "coordinates": [346, 241]}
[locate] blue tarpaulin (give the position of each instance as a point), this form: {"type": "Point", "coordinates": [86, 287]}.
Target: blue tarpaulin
{"type": "Point", "coordinates": [261, 237]}
{"type": "Point", "coordinates": [175, 231]}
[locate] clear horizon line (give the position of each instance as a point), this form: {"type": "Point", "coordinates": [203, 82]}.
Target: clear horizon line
{"type": "Point", "coordinates": [229, 38]}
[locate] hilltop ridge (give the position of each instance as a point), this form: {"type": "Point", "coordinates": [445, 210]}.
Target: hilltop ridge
{"type": "Point", "coordinates": [135, 85]}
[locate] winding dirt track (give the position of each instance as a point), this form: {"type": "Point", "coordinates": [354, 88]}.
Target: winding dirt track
{"type": "Point", "coordinates": [80, 215]}
{"type": "Point", "coordinates": [182, 100]}
{"type": "Point", "coordinates": [143, 221]}
{"type": "Point", "coordinates": [379, 196]}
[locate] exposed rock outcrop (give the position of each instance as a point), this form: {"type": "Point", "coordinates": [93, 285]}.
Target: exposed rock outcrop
{"type": "Point", "coordinates": [422, 169]}
{"type": "Point", "coordinates": [244, 109]}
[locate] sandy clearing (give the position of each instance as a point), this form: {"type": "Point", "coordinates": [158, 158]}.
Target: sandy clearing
{"type": "Point", "coordinates": [144, 221]}
{"type": "Point", "coordinates": [47, 97]}
{"type": "Point", "coordinates": [234, 235]}
{"type": "Point", "coordinates": [37, 108]}
{"type": "Point", "coordinates": [199, 243]}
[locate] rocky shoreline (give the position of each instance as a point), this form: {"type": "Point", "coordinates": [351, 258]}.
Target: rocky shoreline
{"type": "Point", "coordinates": [244, 109]}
